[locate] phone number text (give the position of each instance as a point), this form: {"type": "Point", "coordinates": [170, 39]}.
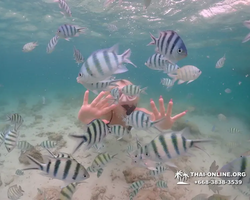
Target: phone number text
{"type": "Point", "coordinates": [218, 182]}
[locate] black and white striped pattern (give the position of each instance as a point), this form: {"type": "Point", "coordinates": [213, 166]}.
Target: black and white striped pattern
{"type": "Point", "coordinates": [52, 44]}
{"type": "Point", "coordinates": [133, 90]}
{"type": "Point", "coordinates": [136, 185]}
{"type": "Point", "coordinates": [24, 145]}
{"type": "Point", "coordinates": [10, 139]}
{"type": "Point", "coordinates": [220, 63]}
{"type": "Point", "coordinates": [95, 133]}
{"type": "Point", "coordinates": [2, 136]}
{"type": "Point", "coordinates": [102, 64]}
{"type": "Point", "coordinates": [234, 130]}
{"type": "Point", "coordinates": [161, 184]}
{"type": "Point", "coordinates": [170, 68]}
{"type": "Point", "coordinates": [15, 192]}
{"type": "Point", "coordinates": [101, 160]}
{"type": "Point", "coordinates": [15, 119]}
{"type": "Point", "coordinates": [99, 172]}
{"type": "Point", "coordinates": [170, 45]}
{"type": "Point", "coordinates": [119, 131]}
{"type": "Point", "coordinates": [64, 169]}
{"type": "Point", "coordinates": [67, 30]}
{"type": "Point", "coordinates": [64, 6]}
{"type": "Point", "coordinates": [59, 155]}
{"type": "Point", "coordinates": [78, 56]}
{"type": "Point", "coordinates": [156, 62]}
{"type": "Point", "coordinates": [167, 82]}
{"type": "Point", "coordinates": [133, 194]}
{"type": "Point", "coordinates": [68, 191]}
{"type": "Point", "coordinates": [48, 144]}
{"type": "Point", "coordinates": [115, 92]}
{"type": "Point", "coordinates": [159, 170]}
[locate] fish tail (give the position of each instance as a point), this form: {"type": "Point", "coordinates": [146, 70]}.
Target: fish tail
{"type": "Point", "coordinates": [195, 142]}
{"type": "Point", "coordinates": [153, 40]}
{"type": "Point", "coordinates": [143, 90]}
{"type": "Point", "coordinates": [125, 57]}
{"type": "Point", "coordinates": [81, 29]}
{"type": "Point", "coordinates": [84, 139]}
{"type": "Point", "coordinates": [40, 166]}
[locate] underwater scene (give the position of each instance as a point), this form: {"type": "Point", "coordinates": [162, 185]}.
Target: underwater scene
{"type": "Point", "coordinates": [124, 100]}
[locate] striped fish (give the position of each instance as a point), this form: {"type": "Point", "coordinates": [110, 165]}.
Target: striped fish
{"type": "Point", "coordinates": [220, 63]}
{"type": "Point", "coordinates": [67, 31]}
{"type": "Point", "coordinates": [136, 185]}
{"type": "Point", "coordinates": [10, 139]}
{"type": "Point", "coordinates": [171, 68]}
{"type": "Point", "coordinates": [161, 184]}
{"type": "Point", "coordinates": [62, 168]}
{"type": "Point", "coordinates": [2, 136]}
{"type": "Point", "coordinates": [24, 145]}
{"type": "Point", "coordinates": [15, 119]}
{"type": "Point", "coordinates": [140, 120]}
{"type": "Point", "coordinates": [133, 90]}
{"type": "Point", "coordinates": [52, 44]}
{"type": "Point", "coordinates": [234, 130]}
{"type": "Point", "coordinates": [167, 82]}
{"type": "Point", "coordinates": [48, 144]}
{"type": "Point", "coordinates": [187, 73]}
{"type": "Point", "coordinates": [78, 56]}
{"type": "Point", "coordinates": [19, 172]}
{"type": "Point", "coordinates": [59, 155]}
{"type": "Point", "coordinates": [133, 194]}
{"type": "Point", "coordinates": [166, 146]}
{"type": "Point", "coordinates": [115, 92]}
{"type": "Point", "coordinates": [130, 148]}
{"type": "Point", "coordinates": [119, 131]}
{"type": "Point", "coordinates": [240, 164]}
{"type": "Point", "coordinates": [101, 86]}
{"type": "Point", "coordinates": [156, 62]}
{"type": "Point", "coordinates": [68, 191]}
{"type": "Point", "coordinates": [96, 131]}
{"type": "Point", "coordinates": [15, 192]}
{"type": "Point", "coordinates": [170, 45]}
{"type": "Point", "coordinates": [158, 170]}
{"type": "Point", "coordinates": [101, 161]}
{"type": "Point", "coordinates": [64, 6]}
{"type": "Point", "coordinates": [91, 170]}
{"type": "Point", "coordinates": [99, 172]}
{"type": "Point", "coordinates": [102, 64]}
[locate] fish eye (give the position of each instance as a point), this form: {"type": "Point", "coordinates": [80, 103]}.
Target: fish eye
{"type": "Point", "coordinates": [80, 74]}
{"type": "Point", "coordinates": [179, 50]}
{"type": "Point", "coordinates": [146, 154]}
{"type": "Point", "coordinates": [85, 175]}
{"type": "Point", "coordinates": [136, 156]}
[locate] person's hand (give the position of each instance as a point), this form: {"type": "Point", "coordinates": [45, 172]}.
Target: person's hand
{"type": "Point", "coordinates": [95, 110]}
{"type": "Point", "coordinates": [168, 122]}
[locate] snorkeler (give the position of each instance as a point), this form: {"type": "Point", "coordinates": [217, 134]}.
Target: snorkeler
{"type": "Point", "coordinates": [100, 108]}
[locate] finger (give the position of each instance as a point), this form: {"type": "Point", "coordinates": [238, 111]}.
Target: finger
{"type": "Point", "coordinates": [162, 107]}
{"type": "Point", "coordinates": [176, 117]}
{"type": "Point", "coordinates": [86, 98]}
{"type": "Point", "coordinates": [154, 109]}
{"type": "Point", "coordinates": [108, 109]}
{"type": "Point", "coordinates": [98, 98]}
{"type": "Point", "coordinates": [169, 109]}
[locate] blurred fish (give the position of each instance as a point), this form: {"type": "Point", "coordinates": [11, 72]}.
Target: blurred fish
{"type": "Point", "coordinates": [219, 197]}
{"type": "Point", "coordinates": [65, 169]}
{"type": "Point", "coordinates": [59, 155]}
{"type": "Point", "coordinates": [133, 90]}
{"type": "Point", "coordinates": [222, 117]}
{"type": "Point", "coordinates": [15, 192]}
{"type": "Point", "coordinates": [64, 6]}
{"type": "Point", "coordinates": [213, 128]}
{"type": "Point", "coordinates": [15, 119]}
{"type": "Point", "coordinates": [10, 139]}
{"type": "Point", "coordinates": [115, 92]}
{"type": "Point", "coordinates": [24, 145]}
{"type": "Point", "coordinates": [68, 191]}
{"type": "Point", "coordinates": [140, 120]}
{"type": "Point", "coordinates": [158, 170]}
{"type": "Point", "coordinates": [133, 194]}
{"type": "Point", "coordinates": [136, 185]}
{"type": "Point", "coordinates": [170, 45]}
{"type": "Point", "coordinates": [234, 130]}
{"type": "Point", "coordinates": [101, 86]}
{"type": "Point", "coordinates": [247, 38]}
{"type": "Point", "coordinates": [99, 172]}
{"type": "Point", "coordinates": [119, 131]}
{"type": "Point", "coordinates": [102, 64]}
{"type": "Point", "coordinates": [91, 170]}
{"type": "Point", "coordinates": [157, 62]}
{"type": "Point", "coordinates": [146, 3]}
{"type": "Point", "coordinates": [240, 164]}
{"type": "Point", "coordinates": [130, 148]}
{"type": "Point", "coordinates": [187, 73]}
{"type": "Point", "coordinates": [101, 160]}
{"type": "Point", "coordinates": [96, 131]}
{"type": "Point", "coordinates": [228, 90]}
{"type": "Point", "coordinates": [161, 184]}
{"type": "Point", "coordinates": [167, 82]}
{"type": "Point", "coordinates": [2, 136]}
{"type": "Point", "coordinates": [78, 56]}
{"type": "Point", "coordinates": [30, 46]}
{"type": "Point", "coordinates": [52, 44]}
{"type": "Point", "coordinates": [220, 63]}
{"type": "Point", "coordinates": [67, 31]}
{"type": "Point", "coordinates": [19, 172]}
{"type": "Point", "coordinates": [48, 144]}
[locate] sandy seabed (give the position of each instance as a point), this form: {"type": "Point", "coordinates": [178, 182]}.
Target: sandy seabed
{"type": "Point", "coordinates": [58, 116]}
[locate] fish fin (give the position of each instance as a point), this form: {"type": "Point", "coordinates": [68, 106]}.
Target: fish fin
{"type": "Point", "coordinates": [62, 12]}
{"type": "Point", "coordinates": [154, 39]}
{"type": "Point", "coordinates": [152, 168]}
{"type": "Point", "coordinates": [81, 29]}
{"type": "Point", "coordinates": [157, 121]}
{"type": "Point", "coordinates": [121, 69]}
{"type": "Point", "coordinates": [190, 81]}
{"type": "Point", "coordinates": [174, 77]}
{"type": "Point", "coordinates": [125, 57]}
{"type": "Point", "coordinates": [114, 49]}
{"type": "Point", "coordinates": [143, 90]}
{"type": "Point", "coordinates": [84, 139]}
{"type": "Point", "coordinates": [201, 148]}
{"type": "Point", "coordinates": [50, 152]}
{"type": "Point", "coordinates": [170, 164]}
{"type": "Point", "coordinates": [119, 138]}
{"type": "Point", "coordinates": [169, 88]}
{"type": "Point", "coordinates": [38, 164]}
{"type": "Point", "coordinates": [68, 39]}
{"type": "Point", "coordinates": [247, 38]}
{"type": "Point", "coordinates": [95, 92]}
{"type": "Point", "coordinates": [180, 81]}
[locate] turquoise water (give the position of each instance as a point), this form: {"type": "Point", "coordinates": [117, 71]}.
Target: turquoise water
{"type": "Point", "coordinates": [33, 75]}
